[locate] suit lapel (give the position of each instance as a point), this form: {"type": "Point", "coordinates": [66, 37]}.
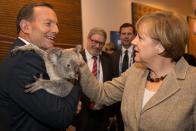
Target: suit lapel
{"type": "Point", "coordinates": [83, 55]}
{"type": "Point", "coordinates": [140, 94]}
{"type": "Point", "coordinates": [104, 67]}
{"type": "Point", "coordinates": [170, 85]}
{"type": "Point", "coordinates": [18, 42]}
{"type": "Point", "coordinates": [117, 59]}
{"type": "Point", "coordinates": [168, 88]}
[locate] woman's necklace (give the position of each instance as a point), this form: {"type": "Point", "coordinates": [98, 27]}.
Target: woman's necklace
{"type": "Point", "coordinates": [155, 79]}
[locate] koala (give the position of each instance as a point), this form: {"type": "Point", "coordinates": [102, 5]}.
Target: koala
{"type": "Point", "coordinates": [62, 66]}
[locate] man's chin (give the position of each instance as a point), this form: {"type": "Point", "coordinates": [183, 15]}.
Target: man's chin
{"type": "Point", "coordinates": [126, 43]}
{"type": "Point", "coordinates": [47, 46]}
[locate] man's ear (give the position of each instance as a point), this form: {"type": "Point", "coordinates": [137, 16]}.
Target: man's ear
{"type": "Point", "coordinates": [25, 26]}
{"type": "Point", "coordinates": [159, 48]}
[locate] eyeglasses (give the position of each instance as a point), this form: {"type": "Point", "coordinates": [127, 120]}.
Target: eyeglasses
{"type": "Point", "coordinates": [97, 42]}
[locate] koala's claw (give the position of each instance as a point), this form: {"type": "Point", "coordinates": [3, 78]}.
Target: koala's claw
{"type": "Point", "coordinates": [14, 51]}
{"type": "Point", "coordinates": [31, 88]}
{"type": "Point", "coordinates": [37, 85]}
{"type": "Point", "coordinates": [40, 77]}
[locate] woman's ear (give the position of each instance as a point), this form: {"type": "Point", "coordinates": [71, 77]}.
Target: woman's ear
{"type": "Point", "coordinates": [159, 48]}
{"type": "Point", "coordinates": [25, 26]}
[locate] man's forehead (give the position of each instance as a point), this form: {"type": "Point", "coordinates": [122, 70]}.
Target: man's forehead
{"type": "Point", "coordinates": [43, 10]}
{"type": "Point", "coordinates": [127, 29]}
{"type": "Point", "coordinates": [45, 13]}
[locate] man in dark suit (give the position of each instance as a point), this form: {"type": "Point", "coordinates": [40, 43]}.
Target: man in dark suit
{"type": "Point", "coordinates": [40, 111]}
{"type": "Point", "coordinates": [127, 34]}
{"type": "Point", "coordinates": [90, 119]}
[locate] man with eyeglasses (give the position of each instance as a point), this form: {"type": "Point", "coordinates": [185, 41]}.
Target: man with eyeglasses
{"type": "Point", "coordinates": [90, 119]}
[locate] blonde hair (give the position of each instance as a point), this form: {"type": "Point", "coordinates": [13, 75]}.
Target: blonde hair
{"type": "Point", "coordinates": [97, 30]}
{"type": "Point", "coordinates": [170, 29]}
{"type": "Point", "coordinates": [109, 47]}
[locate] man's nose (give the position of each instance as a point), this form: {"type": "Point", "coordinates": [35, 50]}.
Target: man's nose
{"type": "Point", "coordinates": [98, 45]}
{"type": "Point", "coordinates": [134, 41]}
{"type": "Point", "coordinates": [55, 29]}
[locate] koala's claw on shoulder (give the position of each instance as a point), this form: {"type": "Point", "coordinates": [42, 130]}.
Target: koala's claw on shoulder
{"type": "Point", "coordinates": [15, 50]}
{"type": "Point", "coordinates": [30, 47]}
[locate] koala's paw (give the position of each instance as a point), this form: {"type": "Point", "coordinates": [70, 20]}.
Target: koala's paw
{"type": "Point", "coordinates": [37, 85]}
{"type": "Point", "coordinates": [15, 50]}
{"type": "Point", "coordinates": [29, 47]}
{"type": "Point", "coordinates": [38, 78]}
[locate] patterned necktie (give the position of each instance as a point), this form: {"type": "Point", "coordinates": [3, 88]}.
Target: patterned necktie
{"type": "Point", "coordinates": [125, 63]}
{"type": "Point", "coordinates": [94, 70]}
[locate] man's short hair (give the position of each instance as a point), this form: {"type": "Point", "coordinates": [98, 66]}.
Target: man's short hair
{"type": "Point", "coordinates": [124, 25]}
{"type": "Point", "coordinates": [26, 12]}
{"type": "Point", "coordinates": [97, 30]}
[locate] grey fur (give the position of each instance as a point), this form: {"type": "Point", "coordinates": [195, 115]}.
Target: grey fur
{"type": "Point", "coordinates": [62, 66]}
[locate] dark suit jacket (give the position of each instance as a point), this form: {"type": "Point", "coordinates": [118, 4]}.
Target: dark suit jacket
{"type": "Point", "coordinates": [95, 120]}
{"type": "Point", "coordinates": [39, 111]}
{"type": "Point", "coordinates": [115, 62]}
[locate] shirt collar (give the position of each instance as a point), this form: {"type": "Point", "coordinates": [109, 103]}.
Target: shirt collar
{"type": "Point", "coordinates": [88, 55]}
{"type": "Point", "coordinates": [25, 41]}
{"type": "Point", "coordinates": [129, 49]}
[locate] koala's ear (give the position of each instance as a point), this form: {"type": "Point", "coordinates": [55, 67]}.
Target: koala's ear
{"type": "Point", "coordinates": [77, 49]}
{"type": "Point", "coordinates": [54, 54]}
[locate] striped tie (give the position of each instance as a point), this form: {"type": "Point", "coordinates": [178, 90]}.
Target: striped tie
{"type": "Point", "coordinates": [94, 70]}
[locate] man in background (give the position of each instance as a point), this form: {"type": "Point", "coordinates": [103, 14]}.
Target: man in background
{"type": "Point", "coordinates": [122, 59]}
{"type": "Point", "coordinates": [90, 119]}
{"type": "Point", "coordinates": [40, 111]}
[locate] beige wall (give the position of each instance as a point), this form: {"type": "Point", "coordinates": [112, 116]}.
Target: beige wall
{"type": "Point", "coordinates": [110, 14]}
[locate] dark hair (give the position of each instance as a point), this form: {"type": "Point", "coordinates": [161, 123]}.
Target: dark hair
{"type": "Point", "coordinates": [124, 25]}
{"type": "Point", "coordinates": [26, 12]}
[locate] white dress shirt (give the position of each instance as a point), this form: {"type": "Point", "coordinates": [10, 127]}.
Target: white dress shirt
{"type": "Point", "coordinates": [90, 61]}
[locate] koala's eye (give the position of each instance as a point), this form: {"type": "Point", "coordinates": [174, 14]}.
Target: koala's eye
{"type": "Point", "coordinates": [68, 65]}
